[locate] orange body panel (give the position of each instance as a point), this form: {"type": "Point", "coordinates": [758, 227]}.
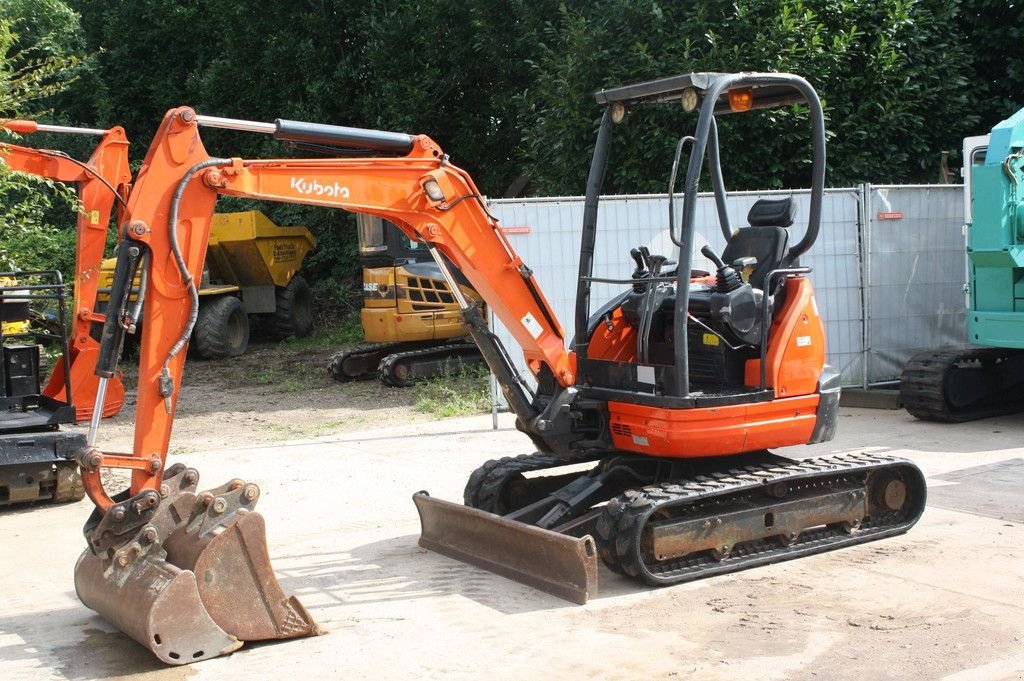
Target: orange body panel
{"type": "Point", "coordinates": [795, 359]}
{"type": "Point", "coordinates": [617, 344]}
{"type": "Point", "coordinates": [712, 431]}
{"type": "Point", "coordinates": [108, 165]}
{"type": "Point", "coordinates": [796, 344]}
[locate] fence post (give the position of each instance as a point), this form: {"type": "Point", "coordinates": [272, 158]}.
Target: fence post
{"type": "Point", "coordinates": [491, 380]}
{"type": "Point", "coordinates": [864, 223]}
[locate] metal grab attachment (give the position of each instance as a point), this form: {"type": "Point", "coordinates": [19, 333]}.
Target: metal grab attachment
{"type": "Point", "coordinates": [195, 581]}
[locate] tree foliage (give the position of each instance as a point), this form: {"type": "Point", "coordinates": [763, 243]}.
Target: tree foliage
{"type": "Point", "coordinates": [506, 86]}
{"type": "Point", "coordinates": [891, 74]}
{"type": "Point", "coordinates": [39, 55]}
{"type": "Point", "coordinates": [995, 29]}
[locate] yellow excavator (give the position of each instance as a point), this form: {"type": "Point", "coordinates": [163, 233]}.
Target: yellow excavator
{"type": "Point", "coordinates": [410, 317]}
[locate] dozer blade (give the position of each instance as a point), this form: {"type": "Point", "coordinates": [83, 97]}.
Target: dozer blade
{"type": "Point", "coordinates": [558, 564]}
{"type": "Point", "coordinates": [156, 604]}
{"type": "Point", "coordinates": [237, 583]}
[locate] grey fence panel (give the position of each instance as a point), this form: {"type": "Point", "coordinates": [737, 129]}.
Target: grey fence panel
{"type": "Point", "coordinates": [887, 287]}
{"type": "Point", "coordinates": [551, 250]}
{"type": "Point", "coordinates": [916, 273]}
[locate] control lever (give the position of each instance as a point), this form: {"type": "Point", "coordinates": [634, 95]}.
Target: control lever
{"type": "Point", "coordinates": [657, 261]}
{"type": "Point", "coordinates": [726, 279]}
{"type": "Point", "coordinates": [642, 271]}
{"type": "Point", "coordinates": [712, 256]}
{"type": "Point", "coordinates": [638, 258]}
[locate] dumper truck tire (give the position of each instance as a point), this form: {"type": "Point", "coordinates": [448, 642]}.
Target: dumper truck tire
{"type": "Point", "coordinates": [294, 313]}
{"type": "Point", "coordinates": [222, 329]}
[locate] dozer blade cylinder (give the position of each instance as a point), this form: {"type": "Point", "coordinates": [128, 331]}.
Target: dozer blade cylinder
{"type": "Point", "coordinates": [236, 581]}
{"type": "Point", "coordinates": [558, 564]}
{"type": "Point", "coordinates": [156, 604]}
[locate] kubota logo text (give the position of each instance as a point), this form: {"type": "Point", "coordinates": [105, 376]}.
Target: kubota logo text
{"type": "Point", "coordinates": [314, 188]}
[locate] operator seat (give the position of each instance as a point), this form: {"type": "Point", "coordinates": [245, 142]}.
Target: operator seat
{"type": "Point", "coordinates": [765, 239]}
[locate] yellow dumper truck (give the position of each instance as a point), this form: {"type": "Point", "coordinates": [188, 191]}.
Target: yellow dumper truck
{"type": "Point", "coordinates": [251, 277]}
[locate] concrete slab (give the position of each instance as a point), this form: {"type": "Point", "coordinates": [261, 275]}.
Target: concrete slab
{"type": "Point", "coordinates": [943, 601]}
{"type": "Point", "coordinates": [874, 398]}
{"type": "Point", "coordinates": [995, 490]}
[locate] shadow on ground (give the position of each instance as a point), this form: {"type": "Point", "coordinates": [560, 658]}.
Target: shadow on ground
{"type": "Point", "coordinates": [397, 569]}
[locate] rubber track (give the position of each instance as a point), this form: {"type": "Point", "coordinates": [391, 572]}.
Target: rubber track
{"type": "Point", "coordinates": [923, 386]}
{"type": "Point", "coordinates": [485, 483]}
{"type": "Point", "coordinates": [621, 524]}
{"type": "Point", "coordinates": [337, 365]}
{"type": "Point", "coordinates": [388, 365]}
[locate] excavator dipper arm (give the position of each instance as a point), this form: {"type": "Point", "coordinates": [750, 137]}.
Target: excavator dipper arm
{"type": "Point", "coordinates": [100, 181]}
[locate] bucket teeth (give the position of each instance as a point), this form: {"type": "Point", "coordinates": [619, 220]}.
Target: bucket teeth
{"type": "Point", "coordinates": [236, 581]}
{"type": "Point", "coordinates": [196, 581]}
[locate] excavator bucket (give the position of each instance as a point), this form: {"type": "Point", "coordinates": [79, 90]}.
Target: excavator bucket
{"type": "Point", "coordinates": [197, 582]}
{"type": "Point", "coordinates": [158, 605]}
{"type": "Point", "coordinates": [237, 583]}
{"type": "Point", "coordinates": [558, 564]}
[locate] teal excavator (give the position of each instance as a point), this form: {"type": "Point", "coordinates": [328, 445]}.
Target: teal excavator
{"type": "Point", "coordinates": [985, 378]}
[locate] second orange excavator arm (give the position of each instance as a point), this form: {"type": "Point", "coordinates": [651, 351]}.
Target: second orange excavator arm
{"type": "Point", "coordinates": [167, 225]}
{"type": "Point", "coordinates": [100, 180]}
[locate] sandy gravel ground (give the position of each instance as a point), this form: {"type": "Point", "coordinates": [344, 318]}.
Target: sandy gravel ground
{"type": "Point", "coordinates": [945, 601]}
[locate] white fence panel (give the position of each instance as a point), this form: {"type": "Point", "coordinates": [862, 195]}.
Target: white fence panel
{"type": "Point", "coordinates": [916, 273]}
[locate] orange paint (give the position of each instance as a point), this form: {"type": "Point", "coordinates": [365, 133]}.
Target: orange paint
{"type": "Point", "coordinates": [712, 431]}
{"type": "Point", "coordinates": [617, 344]}
{"type": "Point", "coordinates": [796, 345]}
{"type": "Point", "coordinates": [391, 188]}
{"type": "Point", "coordinates": [108, 165]}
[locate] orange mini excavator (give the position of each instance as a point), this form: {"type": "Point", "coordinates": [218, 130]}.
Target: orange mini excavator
{"type": "Point", "coordinates": [101, 180]}
{"type": "Point", "coordinates": [673, 390]}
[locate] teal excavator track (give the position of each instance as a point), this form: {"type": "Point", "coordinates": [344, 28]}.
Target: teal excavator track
{"type": "Point", "coordinates": [954, 385]}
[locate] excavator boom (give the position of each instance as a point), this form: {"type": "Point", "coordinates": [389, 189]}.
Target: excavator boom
{"type": "Point", "coordinates": [167, 223]}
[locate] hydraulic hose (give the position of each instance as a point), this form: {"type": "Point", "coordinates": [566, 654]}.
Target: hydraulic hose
{"type": "Point", "coordinates": [179, 260]}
